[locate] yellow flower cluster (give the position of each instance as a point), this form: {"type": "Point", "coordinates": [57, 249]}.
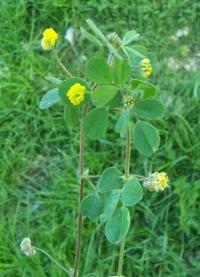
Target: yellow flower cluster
{"type": "Point", "coordinates": [146, 67]}
{"type": "Point", "coordinates": [49, 39]}
{"type": "Point", "coordinates": [157, 181]}
{"type": "Point", "coordinates": [76, 93]}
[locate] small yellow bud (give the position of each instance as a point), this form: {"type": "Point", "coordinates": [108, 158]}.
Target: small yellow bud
{"type": "Point", "coordinates": [129, 102]}
{"type": "Point", "coordinates": [76, 93]}
{"type": "Point", "coordinates": [157, 181]}
{"type": "Point", "coordinates": [27, 248]}
{"type": "Point", "coordinates": [146, 67]}
{"type": "Point", "coordinates": [49, 39]}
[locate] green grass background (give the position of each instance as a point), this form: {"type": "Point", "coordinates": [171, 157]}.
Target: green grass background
{"type": "Point", "coordinates": [38, 153]}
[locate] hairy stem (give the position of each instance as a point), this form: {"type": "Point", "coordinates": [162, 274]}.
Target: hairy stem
{"type": "Point", "coordinates": [127, 168]}
{"type": "Point", "coordinates": [81, 189]}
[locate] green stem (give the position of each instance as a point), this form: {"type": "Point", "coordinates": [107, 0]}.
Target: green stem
{"type": "Point", "coordinates": [68, 73]}
{"type": "Point", "coordinates": [81, 189]}
{"type": "Point", "coordinates": [127, 169]}
{"type": "Point", "coordinates": [53, 260]}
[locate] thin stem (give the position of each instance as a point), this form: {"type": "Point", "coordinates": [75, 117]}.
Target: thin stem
{"type": "Point", "coordinates": [81, 189]}
{"type": "Point", "coordinates": [53, 260]}
{"type": "Point", "coordinates": [127, 169]}
{"type": "Point", "coordinates": [62, 65]}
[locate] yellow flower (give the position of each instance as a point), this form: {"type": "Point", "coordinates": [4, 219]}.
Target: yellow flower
{"type": "Point", "coordinates": [146, 67]}
{"type": "Point", "coordinates": [76, 93]}
{"type": "Point", "coordinates": [49, 39]}
{"type": "Point", "coordinates": [157, 181]}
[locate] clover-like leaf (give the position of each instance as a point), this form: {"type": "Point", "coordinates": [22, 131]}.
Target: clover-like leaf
{"type": "Point", "coordinates": [129, 37]}
{"type": "Point", "coordinates": [49, 99]}
{"type": "Point", "coordinates": [90, 206]}
{"type": "Point", "coordinates": [149, 108]}
{"type": "Point", "coordinates": [118, 225]}
{"type": "Point", "coordinates": [103, 94]}
{"type": "Point", "coordinates": [109, 180]}
{"type": "Point", "coordinates": [122, 123]}
{"type": "Point", "coordinates": [99, 71]}
{"type": "Point", "coordinates": [148, 90]}
{"type": "Point", "coordinates": [132, 192]}
{"type": "Point", "coordinates": [121, 72]}
{"type": "Point", "coordinates": [109, 203]}
{"type": "Point", "coordinates": [96, 122]}
{"type": "Point", "coordinates": [145, 138]}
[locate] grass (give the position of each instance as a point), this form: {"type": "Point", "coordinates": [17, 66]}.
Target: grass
{"type": "Point", "coordinates": [38, 185]}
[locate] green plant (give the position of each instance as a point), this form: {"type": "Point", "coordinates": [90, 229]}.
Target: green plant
{"type": "Point", "coordinates": [114, 83]}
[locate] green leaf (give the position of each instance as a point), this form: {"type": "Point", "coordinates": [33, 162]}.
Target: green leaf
{"type": "Point", "coordinates": [53, 80]}
{"type": "Point", "coordinates": [148, 89]}
{"type": "Point", "coordinates": [65, 86]}
{"type": "Point", "coordinates": [103, 94]}
{"type": "Point", "coordinates": [72, 115]}
{"type": "Point", "coordinates": [149, 108]}
{"type": "Point", "coordinates": [121, 72]}
{"type": "Point", "coordinates": [132, 192]}
{"type": "Point", "coordinates": [109, 204]}
{"type": "Point", "coordinates": [109, 180]}
{"type": "Point", "coordinates": [101, 36]}
{"type": "Point", "coordinates": [135, 51]}
{"type": "Point", "coordinates": [96, 123]}
{"type": "Point", "coordinates": [90, 206]}
{"type": "Point", "coordinates": [145, 138]}
{"type": "Point", "coordinates": [90, 37]}
{"type": "Point", "coordinates": [122, 123]}
{"type": "Point", "coordinates": [49, 99]}
{"type": "Point", "coordinates": [129, 37]}
{"type": "Point", "coordinates": [116, 101]}
{"type": "Point", "coordinates": [118, 225]}
{"type": "Point", "coordinates": [99, 71]}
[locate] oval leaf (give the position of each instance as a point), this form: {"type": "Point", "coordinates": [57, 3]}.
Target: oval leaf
{"type": "Point", "coordinates": [72, 115]}
{"type": "Point", "coordinates": [99, 71]}
{"type": "Point", "coordinates": [103, 94]}
{"type": "Point", "coordinates": [109, 180]}
{"type": "Point", "coordinates": [129, 37]}
{"type": "Point", "coordinates": [109, 203]}
{"type": "Point", "coordinates": [149, 108]}
{"type": "Point", "coordinates": [145, 138]}
{"type": "Point", "coordinates": [49, 99]}
{"type": "Point", "coordinates": [148, 89]}
{"type": "Point", "coordinates": [132, 192]}
{"type": "Point", "coordinates": [53, 80]}
{"type": "Point", "coordinates": [121, 72]}
{"type": "Point", "coordinates": [118, 225]}
{"type": "Point", "coordinates": [122, 123]}
{"type": "Point", "coordinates": [90, 206]}
{"type": "Point", "coordinates": [96, 122]}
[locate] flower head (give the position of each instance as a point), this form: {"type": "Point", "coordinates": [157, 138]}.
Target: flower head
{"type": "Point", "coordinates": [157, 181]}
{"type": "Point", "coordinates": [129, 102]}
{"type": "Point", "coordinates": [49, 39]}
{"type": "Point", "coordinates": [115, 39]}
{"type": "Point", "coordinates": [76, 93]}
{"type": "Point", "coordinates": [146, 67]}
{"type": "Point", "coordinates": [27, 248]}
